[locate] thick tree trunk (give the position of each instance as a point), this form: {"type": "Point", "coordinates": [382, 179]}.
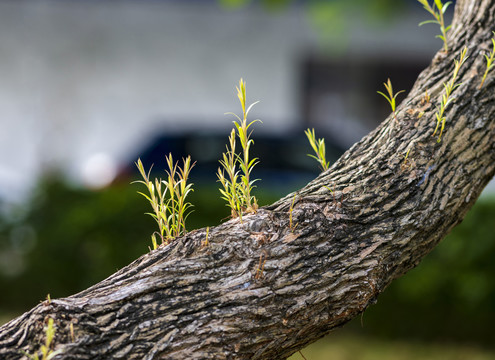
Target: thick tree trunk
{"type": "Point", "coordinates": [261, 288]}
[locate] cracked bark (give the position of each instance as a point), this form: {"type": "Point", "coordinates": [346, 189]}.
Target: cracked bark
{"type": "Point", "coordinates": [188, 301]}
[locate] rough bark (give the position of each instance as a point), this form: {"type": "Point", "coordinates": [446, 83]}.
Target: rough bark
{"type": "Point", "coordinates": [261, 289]}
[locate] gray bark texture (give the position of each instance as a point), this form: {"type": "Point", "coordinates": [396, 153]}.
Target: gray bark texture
{"type": "Point", "coordinates": [263, 288]}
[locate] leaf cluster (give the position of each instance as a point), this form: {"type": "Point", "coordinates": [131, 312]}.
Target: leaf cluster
{"type": "Point", "coordinates": [437, 10]}
{"type": "Point", "coordinates": [168, 198]}
{"type": "Point", "coordinates": [449, 87]}
{"type": "Point", "coordinates": [318, 146]}
{"type": "Point", "coordinates": [489, 61]}
{"type": "Point", "coordinates": [235, 169]}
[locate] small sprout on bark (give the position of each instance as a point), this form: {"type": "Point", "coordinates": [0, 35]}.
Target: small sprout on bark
{"type": "Point", "coordinates": [205, 242]}
{"type": "Point", "coordinates": [71, 328]}
{"type": "Point", "coordinates": [292, 226]}
{"type": "Point", "coordinates": [407, 163]}
{"type": "Point", "coordinates": [489, 62]}
{"type": "Point", "coordinates": [407, 154]}
{"type": "Point", "coordinates": [46, 352]}
{"type": "Point", "coordinates": [261, 267]}
{"type": "Point", "coordinates": [390, 96]}
{"type": "Point", "coordinates": [170, 208]}
{"type": "Point", "coordinates": [237, 185]}
{"type": "Point", "coordinates": [319, 149]}
{"type": "Point", "coordinates": [446, 97]}
{"type": "Point", "coordinates": [437, 10]}
{"type": "Point", "coordinates": [426, 98]}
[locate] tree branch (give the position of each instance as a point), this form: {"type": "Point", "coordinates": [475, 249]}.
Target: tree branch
{"type": "Point", "coordinates": [263, 290]}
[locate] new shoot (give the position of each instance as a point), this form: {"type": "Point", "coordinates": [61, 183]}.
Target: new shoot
{"type": "Point", "coordinates": [489, 62]}
{"type": "Point", "coordinates": [46, 352]}
{"type": "Point", "coordinates": [168, 199]}
{"type": "Point", "coordinates": [446, 97]}
{"type": "Point", "coordinates": [235, 169]}
{"type": "Point", "coordinates": [390, 96]}
{"type": "Point", "coordinates": [292, 226]}
{"type": "Point", "coordinates": [318, 146]}
{"type": "Point", "coordinates": [437, 10]}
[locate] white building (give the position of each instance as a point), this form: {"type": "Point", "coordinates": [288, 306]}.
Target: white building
{"type": "Point", "coordinates": [84, 83]}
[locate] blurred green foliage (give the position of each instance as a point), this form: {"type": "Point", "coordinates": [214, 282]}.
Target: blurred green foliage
{"type": "Point", "coordinates": [332, 19]}
{"type": "Point", "coordinates": [67, 239]}
{"type": "Point", "coordinates": [271, 5]}
{"type": "Point", "coordinates": [451, 294]}
{"type": "Point", "coordinates": [338, 346]}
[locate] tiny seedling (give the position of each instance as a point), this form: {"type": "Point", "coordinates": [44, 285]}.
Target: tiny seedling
{"type": "Point", "coordinates": [46, 352]}
{"type": "Point", "coordinates": [437, 10]}
{"type": "Point", "coordinates": [407, 162]}
{"type": "Point", "coordinates": [261, 267]}
{"type": "Point", "coordinates": [489, 61]}
{"type": "Point", "coordinates": [237, 185]}
{"type": "Point", "coordinates": [205, 242]}
{"type": "Point", "coordinates": [292, 226]}
{"type": "Point", "coordinates": [407, 154]}
{"type": "Point", "coordinates": [71, 329]}
{"type": "Point", "coordinates": [426, 98]}
{"type": "Point", "coordinates": [170, 209]}
{"type": "Point", "coordinates": [446, 97]}
{"type": "Point", "coordinates": [390, 96]}
{"type": "Point", "coordinates": [318, 146]}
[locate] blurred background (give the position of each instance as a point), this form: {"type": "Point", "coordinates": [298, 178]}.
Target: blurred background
{"type": "Point", "coordinates": [87, 87]}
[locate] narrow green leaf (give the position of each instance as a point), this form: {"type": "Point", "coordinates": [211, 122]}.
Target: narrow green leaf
{"type": "Point", "coordinates": [445, 6]}
{"type": "Point", "coordinates": [250, 106]}
{"type": "Point", "coordinates": [429, 22]}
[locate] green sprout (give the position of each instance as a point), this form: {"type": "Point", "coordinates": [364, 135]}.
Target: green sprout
{"type": "Point", "coordinates": [170, 209]}
{"type": "Point", "coordinates": [46, 352]}
{"type": "Point", "coordinates": [449, 88]}
{"type": "Point", "coordinates": [292, 226]}
{"type": "Point", "coordinates": [406, 156]}
{"type": "Point", "coordinates": [489, 61]}
{"type": "Point", "coordinates": [237, 185]}
{"type": "Point", "coordinates": [438, 15]}
{"type": "Point", "coordinates": [319, 149]}
{"type": "Point", "coordinates": [205, 242]}
{"type": "Point", "coordinates": [390, 97]}
{"type": "Point", "coordinates": [230, 184]}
